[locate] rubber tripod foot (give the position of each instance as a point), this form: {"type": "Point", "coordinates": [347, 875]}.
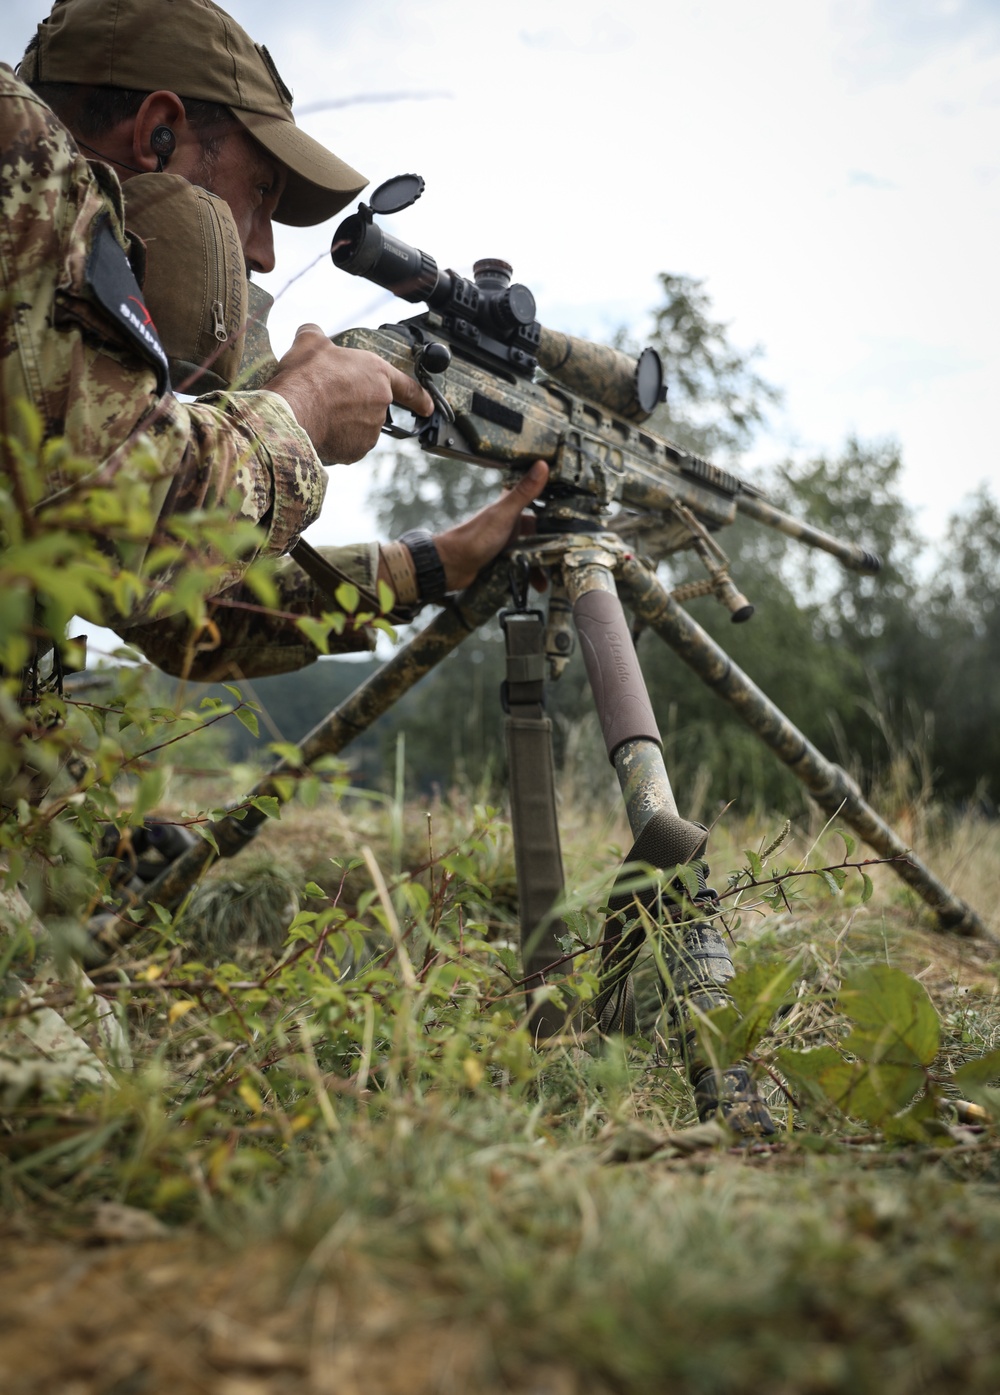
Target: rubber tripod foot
{"type": "Point", "coordinates": [732, 1094]}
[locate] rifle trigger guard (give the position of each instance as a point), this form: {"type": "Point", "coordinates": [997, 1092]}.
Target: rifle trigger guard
{"type": "Point", "coordinates": [393, 429]}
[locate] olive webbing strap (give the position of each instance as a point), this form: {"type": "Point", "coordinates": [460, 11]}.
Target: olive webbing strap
{"type": "Point", "coordinates": [328, 576]}
{"type": "Point", "coordinates": [531, 773]}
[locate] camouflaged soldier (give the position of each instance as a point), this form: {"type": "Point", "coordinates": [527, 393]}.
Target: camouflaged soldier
{"type": "Point", "coordinates": [178, 98]}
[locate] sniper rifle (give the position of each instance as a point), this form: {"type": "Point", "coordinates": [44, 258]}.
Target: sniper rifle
{"type": "Point", "coordinates": [478, 349]}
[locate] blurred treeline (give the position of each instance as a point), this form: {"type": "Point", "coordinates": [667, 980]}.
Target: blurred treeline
{"type": "Point", "coordinates": [896, 676]}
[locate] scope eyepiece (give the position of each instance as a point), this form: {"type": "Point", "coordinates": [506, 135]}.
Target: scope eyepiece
{"type": "Point", "coordinates": [362, 248]}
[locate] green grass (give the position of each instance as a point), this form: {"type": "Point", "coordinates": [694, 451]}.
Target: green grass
{"type": "Point", "coordinates": [382, 1175]}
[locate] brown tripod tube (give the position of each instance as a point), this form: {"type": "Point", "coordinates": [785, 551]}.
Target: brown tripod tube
{"type": "Point", "coordinates": [631, 734]}
{"type": "Point", "coordinates": [623, 706]}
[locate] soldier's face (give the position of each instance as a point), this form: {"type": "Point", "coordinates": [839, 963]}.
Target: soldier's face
{"type": "Point", "coordinates": [251, 182]}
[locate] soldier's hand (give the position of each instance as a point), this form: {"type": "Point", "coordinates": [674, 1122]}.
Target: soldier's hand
{"type": "Point", "coordinates": [340, 396]}
{"type": "Point", "coordinates": [465, 549]}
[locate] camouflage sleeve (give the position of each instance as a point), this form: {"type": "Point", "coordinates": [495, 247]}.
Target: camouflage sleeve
{"type": "Point", "coordinates": [245, 641]}
{"type": "Point", "coordinates": [68, 352]}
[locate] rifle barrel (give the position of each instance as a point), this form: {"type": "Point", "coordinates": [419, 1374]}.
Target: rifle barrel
{"type": "Point", "coordinates": [853, 556]}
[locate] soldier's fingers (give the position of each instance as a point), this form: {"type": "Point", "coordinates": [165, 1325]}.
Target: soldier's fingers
{"type": "Point", "coordinates": [510, 505]}
{"type": "Point", "coordinates": [531, 483]}
{"type": "Point", "coordinates": [408, 393]}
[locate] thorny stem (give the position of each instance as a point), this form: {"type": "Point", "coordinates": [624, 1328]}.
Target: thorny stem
{"type": "Point", "coordinates": [780, 878]}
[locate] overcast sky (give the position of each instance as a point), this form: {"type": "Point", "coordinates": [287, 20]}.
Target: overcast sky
{"type": "Point", "coordinates": [830, 168]}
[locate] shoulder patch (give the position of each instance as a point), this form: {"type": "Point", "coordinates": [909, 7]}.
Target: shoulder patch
{"type": "Point", "coordinates": [112, 283]}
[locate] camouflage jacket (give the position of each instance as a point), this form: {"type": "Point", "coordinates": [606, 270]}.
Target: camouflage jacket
{"type": "Point", "coordinates": [71, 345]}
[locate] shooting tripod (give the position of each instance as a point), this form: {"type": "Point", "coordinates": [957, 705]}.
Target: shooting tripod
{"type": "Point", "coordinates": [592, 574]}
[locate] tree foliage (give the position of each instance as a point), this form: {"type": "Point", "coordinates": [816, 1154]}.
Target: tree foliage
{"type": "Point", "coordinates": [716, 398]}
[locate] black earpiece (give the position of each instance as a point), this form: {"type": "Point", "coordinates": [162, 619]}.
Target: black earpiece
{"type": "Point", "coordinates": [163, 143]}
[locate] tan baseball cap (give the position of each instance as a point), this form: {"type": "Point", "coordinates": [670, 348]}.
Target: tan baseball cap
{"type": "Point", "coordinates": [195, 49]}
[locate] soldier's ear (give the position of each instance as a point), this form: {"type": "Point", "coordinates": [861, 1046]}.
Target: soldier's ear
{"type": "Point", "coordinates": [161, 111]}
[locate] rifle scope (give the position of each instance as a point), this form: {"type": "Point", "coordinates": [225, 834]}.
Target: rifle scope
{"type": "Point", "coordinates": [489, 315]}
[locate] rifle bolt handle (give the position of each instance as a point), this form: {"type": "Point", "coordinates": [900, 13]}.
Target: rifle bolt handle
{"type": "Point", "coordinates": [434, 358]}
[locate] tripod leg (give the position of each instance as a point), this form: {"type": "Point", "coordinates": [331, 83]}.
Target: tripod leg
{"type": "Point", "coordinates": [698, 961]}
{"type": "Point", "coordinates": [833, 790]}
{"type": "Point", "coordinates": [531, 775]}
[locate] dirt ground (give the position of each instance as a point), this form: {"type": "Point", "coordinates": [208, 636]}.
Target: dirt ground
{"type": "Point", "coordinates": [185, 1315]}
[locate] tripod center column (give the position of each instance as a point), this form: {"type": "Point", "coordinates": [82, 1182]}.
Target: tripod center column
{"type": "Point", "coordinates": [631, 734]}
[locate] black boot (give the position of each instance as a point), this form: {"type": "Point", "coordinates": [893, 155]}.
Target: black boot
{"type": "Point", "coordinates": [732, 1094]}
{"type": "Point", "coordinates": [699, 968]}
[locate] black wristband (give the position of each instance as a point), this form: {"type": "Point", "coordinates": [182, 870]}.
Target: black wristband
{"type": "Point", "coordinates": [431, 581]}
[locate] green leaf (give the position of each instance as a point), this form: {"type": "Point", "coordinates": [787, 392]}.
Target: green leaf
{"type": "Point", "coordinates": [386, 597]}
{"type": "Point", "coordinates": [288, 751]}
{"type": "Point", "coordinates": [755, 863]}
{"type": "Point", "coordinates": [867, 887]}
{"type": "Point", "coordinates": [872, 1093]}
{"type": "Point", "coordinates": [148, 795]}
{"type": "Point", "coordinates": [315, 631]}
{"type": "Point", "coordinates": [262, 584]}
{"type": "Point", "coordinates": [347, 597]}
{"type": "Point", "coordinates": [312, 889]}
{"type": "Point", "coordinates": [917, 1124]}
{"type": "Point", "coordinates": [267, 804]}
{"type": "Point", "coordinates": [734, 1032]}
{"type": "Point", "coordinates": [308, 791]}
{"type": "Point", "coordinates": [758, 993]}
{"type": "Point", "coordinates": [812, 1074]}
{"type": "Point", "coordinates": [827, 876]}
{"type": "Point", "coordinates": [249, 720]}
{"type": "Point", "coordinates": [975, 1074]}
{"type": "Point", "coordinates": [721, 1034]}
{"type": "Point", "coordinates": [894, 1019]}
{"type": "Point", "coordinates": [849, 842]}
{"type": "Point", "coordinates": [204, 831]}
{"type": "Point", "coordinates": [688, 878]}
{"type": "Point", "coordinates": [881, 1090]}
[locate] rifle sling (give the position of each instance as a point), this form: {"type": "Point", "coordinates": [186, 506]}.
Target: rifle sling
{"type": "Point", "coordinates": [531, 773]}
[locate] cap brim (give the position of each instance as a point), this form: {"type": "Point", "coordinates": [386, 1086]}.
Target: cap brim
{"type": "Point", "coordinates": [319, 185]}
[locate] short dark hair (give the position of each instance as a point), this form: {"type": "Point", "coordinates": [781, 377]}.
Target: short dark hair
{"type": "Point", "coordinates": [93, 111]}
